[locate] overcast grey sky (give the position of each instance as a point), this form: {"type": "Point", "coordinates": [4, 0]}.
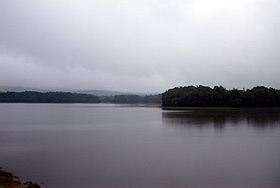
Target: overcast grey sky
{"type": "Point", "coordinates": [139, 46]}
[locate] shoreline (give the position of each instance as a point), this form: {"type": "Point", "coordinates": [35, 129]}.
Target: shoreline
{"type": "Point", "coordinates": [8, 180]}
{"type": "Point", "coordinates": [218, 108]}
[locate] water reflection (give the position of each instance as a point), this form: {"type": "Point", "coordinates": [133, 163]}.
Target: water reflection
{"type": "Point", "coordinates": [218, 118]}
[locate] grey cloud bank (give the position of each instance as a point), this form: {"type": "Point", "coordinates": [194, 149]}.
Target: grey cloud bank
{"type": "Point", "coordinates": [139, 46]}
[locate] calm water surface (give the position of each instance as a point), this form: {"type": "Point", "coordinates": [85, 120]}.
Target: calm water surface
{"type": "Point", "coordinates": [107, 145]}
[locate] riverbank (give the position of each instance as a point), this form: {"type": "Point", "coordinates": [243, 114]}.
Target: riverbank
{"type": "Point", "coordinates": [218, 108]}
{"type": "Point", "coordinates": [8, 180]}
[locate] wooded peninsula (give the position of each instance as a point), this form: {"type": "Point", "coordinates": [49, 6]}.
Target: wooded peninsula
{"type": "Point", "coordinates": [203, 96]}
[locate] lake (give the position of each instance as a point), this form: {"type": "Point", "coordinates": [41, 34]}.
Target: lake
{"type": "Point", "coordinates": [140, 146]}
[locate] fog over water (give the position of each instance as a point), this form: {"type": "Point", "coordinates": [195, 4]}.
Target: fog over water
{"type": "Point", "coordinates": [139, 46]}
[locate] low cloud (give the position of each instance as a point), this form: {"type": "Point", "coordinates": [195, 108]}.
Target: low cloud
{"type": "Point", "coordinates": [146, 46]}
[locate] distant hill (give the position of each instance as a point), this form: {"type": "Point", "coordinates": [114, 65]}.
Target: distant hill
{"type": "Point", "coordinates": [105, 92]}
{"type": "Point", "coordinates": [90, 92]}
{"type": "Point", "coordinates": [20, 89]}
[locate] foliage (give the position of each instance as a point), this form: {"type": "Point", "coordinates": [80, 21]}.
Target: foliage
{"type": "Point", "coordinates": [8, 180]}
{"type": "Point", "coordinates": [151, 99]}
{"type": "Point", "coordinates": [48, 97]}
{"type": "Point", "coordinates": [203, 96]}
{"type": "Point", "coordinates": [67, 97]}
{"type": "Point", "coordinates": [136, 99]}
{"type": "Point", "coordinates": [126, 99]}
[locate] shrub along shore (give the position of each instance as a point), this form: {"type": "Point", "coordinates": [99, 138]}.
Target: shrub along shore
{"type": "Point", "coordinates": [8, 180]}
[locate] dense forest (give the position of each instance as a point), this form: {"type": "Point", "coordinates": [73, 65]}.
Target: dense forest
{"type": "Point", "coordinates": [136, 99]}
{"type": "Point", "coordinates": [48, 97]}
{"type": "Point", "coordinates": [203, 96]}
{"type": "Point", "coordinates": [131, 99]}
{"type": "Point", "coordinates": [67, 97]}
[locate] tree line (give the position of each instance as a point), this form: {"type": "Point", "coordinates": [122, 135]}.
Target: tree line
{"type": "Point", "coordinates": [68, 97]}
{"type": "Point", "coordinates": [188, 96]}
{"type": "Point", "coordinates": [48, 97]}
{"type": "Point", "coordinates": [136, 99]}
{"type": "Point", "coordinates": [218, 96]}
{"type": "Point", "coordinates": [131, 99]}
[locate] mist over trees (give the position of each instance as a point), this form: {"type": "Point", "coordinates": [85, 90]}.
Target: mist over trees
{"type": "Point", "coordinates": [137, 99]}
{"type": "Point", "coordinates": [68, 97]}
{"type": "Point", "coordinates": [203, 96]}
